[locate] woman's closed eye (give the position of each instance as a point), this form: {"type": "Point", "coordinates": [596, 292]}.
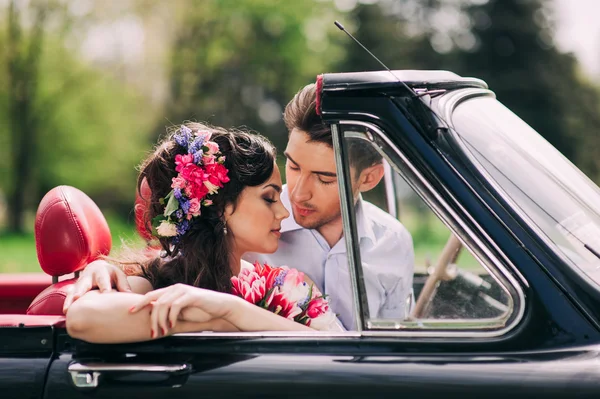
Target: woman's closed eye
{"type": "Point", "coordinates": [270, 200]}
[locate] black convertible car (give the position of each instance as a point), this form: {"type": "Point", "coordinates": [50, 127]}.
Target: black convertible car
{"type": "Point", "coordinates": [507, 297]}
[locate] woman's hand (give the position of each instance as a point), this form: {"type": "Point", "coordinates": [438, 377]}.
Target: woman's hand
{"type": "Point", "coordinates": [183, 302]}
{"type": "Point", "coordinates": [98, 274]}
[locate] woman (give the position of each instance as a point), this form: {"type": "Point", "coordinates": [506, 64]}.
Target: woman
{"type": "Point", "coordinates": [215, 196]}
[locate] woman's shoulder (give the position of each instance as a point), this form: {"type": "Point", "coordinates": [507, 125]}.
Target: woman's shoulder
{"type": "Point", "coordinates": [139, 285]}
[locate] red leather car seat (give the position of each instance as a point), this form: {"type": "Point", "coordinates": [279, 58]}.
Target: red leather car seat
{"type": "Point", "coordinates": [70, 232]}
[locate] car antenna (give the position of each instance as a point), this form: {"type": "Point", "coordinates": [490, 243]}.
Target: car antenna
{"type": "Point", "coordinates": [341, 27]}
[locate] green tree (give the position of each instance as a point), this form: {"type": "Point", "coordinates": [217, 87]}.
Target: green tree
{"type": "Point", "coordinates": [22, 60]}
{"type": "Point", "coordinates": [68, 123]}
{"type": "Point", "coordinates": [239, 63]}
{"type": "Point", "coordinates": [516, 56]}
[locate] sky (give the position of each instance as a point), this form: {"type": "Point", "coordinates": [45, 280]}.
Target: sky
{"type": "Point", "coordinates": [578, 31]}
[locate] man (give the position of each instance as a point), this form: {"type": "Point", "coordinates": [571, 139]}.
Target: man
{"type": "Point", "coordinates": [312, 238]}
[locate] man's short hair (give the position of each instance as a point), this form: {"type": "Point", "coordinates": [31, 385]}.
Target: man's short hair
{"type": "Point", "coordinates": [301, 114]}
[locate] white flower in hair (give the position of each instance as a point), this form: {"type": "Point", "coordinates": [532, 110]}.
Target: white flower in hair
{"type": "Point", "coordinates": [166, 229]}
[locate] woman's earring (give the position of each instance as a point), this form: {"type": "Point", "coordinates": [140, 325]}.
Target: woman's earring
{"type": "Point", "coordinates": [225, 229]}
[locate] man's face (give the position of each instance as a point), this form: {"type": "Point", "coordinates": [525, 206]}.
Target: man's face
{"type": "Point", "coordinates": [312, 181]}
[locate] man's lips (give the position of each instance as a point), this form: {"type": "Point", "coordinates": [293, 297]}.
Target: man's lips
{"type": "Point", "coordinates": [301, 211]}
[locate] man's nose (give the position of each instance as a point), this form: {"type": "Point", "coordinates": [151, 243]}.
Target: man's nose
{"type": "Point", "coordinates": [301, 191]}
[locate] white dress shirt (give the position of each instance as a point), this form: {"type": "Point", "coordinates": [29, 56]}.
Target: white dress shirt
{"type": "Point", "coordinates": [387, 257]}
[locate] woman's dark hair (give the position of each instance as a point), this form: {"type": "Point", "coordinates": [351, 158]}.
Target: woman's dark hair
{"type": "Point", "coordinates": [201, 256]}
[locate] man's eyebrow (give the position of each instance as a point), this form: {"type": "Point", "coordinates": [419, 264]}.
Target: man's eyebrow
{"type": "Point", "coordinates": [273, 185]}
{"type": "Point", "coordinates": [317, 172]}
{"type": "Point", "coordinates": [285, 153]}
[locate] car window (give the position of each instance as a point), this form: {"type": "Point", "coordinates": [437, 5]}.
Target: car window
{"type": "Point", "coordinates": [553, 197]}
{"type": "Point", "coordinates": [414, 272]}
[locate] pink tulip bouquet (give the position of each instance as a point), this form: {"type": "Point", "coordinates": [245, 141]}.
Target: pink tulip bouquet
{"type": "Point", "coordinates": [283, 291]}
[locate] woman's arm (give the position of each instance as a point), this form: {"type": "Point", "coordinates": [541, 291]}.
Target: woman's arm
{"type": "Point", "coordinates": [198, 305]}
{"type": "Point", "coordinates": [105, 318]}
{"type": "Point", "coordinates": [118, 317]}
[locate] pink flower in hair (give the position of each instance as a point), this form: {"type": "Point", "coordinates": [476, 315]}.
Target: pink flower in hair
{"type": "Point", "coordinates": [178, 182]}
{"type": "Point", "coordinates": [205, 135]}
{"type": "Point", "coordinates": [219, 172]}
{"type": "Point", "coordinates": [183, 160]}
{"type": "Point", "coordinates": [194, 208]}
{"type": "Point", "coordinates": [192, 173]}
{"type": "Point", "coordinates": [199, 191]}
{"type": "Point", "coordinates": [213, 147]}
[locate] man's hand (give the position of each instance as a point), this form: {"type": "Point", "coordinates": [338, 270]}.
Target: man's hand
{"type": "Point", "coordinates": [98, 274]}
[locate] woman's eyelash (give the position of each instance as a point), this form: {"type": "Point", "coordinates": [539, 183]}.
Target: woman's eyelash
{"type": "Point", "coordinates": [270, 201]}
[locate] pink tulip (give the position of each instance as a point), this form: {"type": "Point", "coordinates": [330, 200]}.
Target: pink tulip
{"type": "Point", "coordinates": [249, 285]}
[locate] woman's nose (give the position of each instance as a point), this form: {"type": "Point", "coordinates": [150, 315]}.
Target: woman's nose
{"type": "Point", "coordinates": [282, 213]}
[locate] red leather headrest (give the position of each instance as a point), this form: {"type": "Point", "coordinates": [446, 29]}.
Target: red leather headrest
{"type": "Point", "coordinates": [70, 231]}
{"type": "Point", "coordinates": [142, 200]}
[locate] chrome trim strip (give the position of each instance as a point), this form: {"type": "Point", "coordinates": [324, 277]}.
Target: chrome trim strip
{"type": "Point", "coordinates": [273, 334]}
{"type": "Point", "coordinates": [108, 367]}
{"type": "Point", "coordinates": [481, 252]}
{"type": "Point", "coordinates": [390, 197]}
{"type": "Point", "coordinates": [349, 224]}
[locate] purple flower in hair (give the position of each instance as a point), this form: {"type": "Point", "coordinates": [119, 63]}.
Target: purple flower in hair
{"type": "Point", "coordinates": [198, 157]}
{"type": "Point", "coordinates": [185, 205]}
{"type": "Point", "coordinates": [183, 135]}
{"type": "Point", "coordinates": [183, 227]}
{"type": "Point", "coordinates": [196, 145]}
{"type": "Point", "coordinates": [177, 193]}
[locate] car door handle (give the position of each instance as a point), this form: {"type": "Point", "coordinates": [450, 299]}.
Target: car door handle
{"type": "Point", "coordinates": [87, 375]}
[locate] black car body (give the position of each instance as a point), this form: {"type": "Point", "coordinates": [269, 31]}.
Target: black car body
{"type": "Point", "coordinates": [544, 344]}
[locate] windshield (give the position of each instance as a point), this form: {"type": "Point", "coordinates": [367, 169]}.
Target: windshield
{"type": "Point", "coordinates": [547, 190]}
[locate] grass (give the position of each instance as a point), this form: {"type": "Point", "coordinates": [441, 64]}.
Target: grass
{"type": "Point", "coordinates": [19, 255]}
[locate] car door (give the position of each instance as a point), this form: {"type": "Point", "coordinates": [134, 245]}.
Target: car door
{"type": "Point", "coordinates": [26, 344]}
{"type": "Point", "coordinates": [259, 366]}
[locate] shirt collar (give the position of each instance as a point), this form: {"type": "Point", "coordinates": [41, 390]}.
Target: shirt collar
{"type": "Point", "coordinates": [363, 224]}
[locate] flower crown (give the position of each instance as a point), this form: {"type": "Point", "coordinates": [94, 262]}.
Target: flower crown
{"type": "Point", "coordinates": [200, 174]}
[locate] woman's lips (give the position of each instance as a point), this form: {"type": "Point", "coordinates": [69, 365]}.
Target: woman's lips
{"type": "Point", "coordinates": [277, 233]}
{"type": "Point", "coordinates": [301, 211]}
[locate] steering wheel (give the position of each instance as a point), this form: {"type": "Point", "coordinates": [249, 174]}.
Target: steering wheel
{"type": "Point", "coordinates": [440, 272]}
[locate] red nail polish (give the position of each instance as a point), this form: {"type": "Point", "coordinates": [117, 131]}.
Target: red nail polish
{"type": "Point", "coordinates": [170, 324]}
{"type": "Point", "coordinates": [152, 334]}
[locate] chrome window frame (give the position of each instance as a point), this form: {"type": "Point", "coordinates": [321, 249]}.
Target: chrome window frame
{"type": "Point", "coordinates": [473, 328]}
